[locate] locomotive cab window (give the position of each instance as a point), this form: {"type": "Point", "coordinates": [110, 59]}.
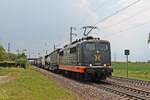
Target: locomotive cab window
{"type": "Point", "coordinates": [90, 46]}
{"type": "Point", "coordinates": [73, 50]}
{"type": "Point", "coordinates": [61, 53]}
{"type": "Point", "coordinates": [102, 46]}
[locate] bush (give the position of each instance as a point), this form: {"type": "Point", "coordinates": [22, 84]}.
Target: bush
{"type": "Point", "coordinates": [7, 63]}
{"type": "Point", "coordinates": [22, 62]}
{"type": "Point", "coordinates": [8, 59]}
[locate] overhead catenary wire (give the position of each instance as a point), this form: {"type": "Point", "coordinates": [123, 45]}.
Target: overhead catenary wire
{"type": "Point", "coordinates": [124, 8]}
{"type": "Point", "coordinates": [116, 12]}
{"type": "Point", "coordinates": [130, 17]}
{"type": "Point", "coordinates": [130, 28]}
{"type": "Point", "coordinates": [100, 6]}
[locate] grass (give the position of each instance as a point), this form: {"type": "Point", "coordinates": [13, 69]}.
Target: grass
{"type": "Point", "coordinates": [27, 84]}
{"type": "Point", "coordinates": [135, 70]}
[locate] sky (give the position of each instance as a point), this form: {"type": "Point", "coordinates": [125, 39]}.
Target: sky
{"type": "Point", "coordinates": [36, 25]}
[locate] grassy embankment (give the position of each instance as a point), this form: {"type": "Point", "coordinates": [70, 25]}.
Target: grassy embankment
{"type": "Point", "coordinates": [27, 84]}
{"type": "Point", "coordinates": [136, 70]}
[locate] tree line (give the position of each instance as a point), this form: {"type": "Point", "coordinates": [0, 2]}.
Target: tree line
{"type": "Point", "coordinates": [8, 59]}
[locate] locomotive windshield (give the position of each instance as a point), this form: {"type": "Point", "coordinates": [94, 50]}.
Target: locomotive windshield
{"type": "Point", "coordinates": [97, 46]}
{"type": "Point", "coordinates": [96, 53]}
{"type": "Point", "coordinates": [90, 46]}
{"type": "Point", "coordinates": [102, 46]}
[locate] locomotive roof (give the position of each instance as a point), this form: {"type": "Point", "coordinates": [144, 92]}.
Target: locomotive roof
{"type": "Point", "coordinates": [52, 52]}
{"type": "Point", "coordinates": [80, 41]}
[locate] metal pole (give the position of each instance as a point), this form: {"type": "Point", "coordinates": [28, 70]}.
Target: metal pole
{"type": "Point", "coordinates": [70, 34]}
{"type": "Point", "coordinates": [127, 66]}
{"type": "Point", "coordinates": [29, 55]}
{"type": "Point", "coordinates": [54, 47]}
{"type": "Point", "coordinates": [47, 51]}
{"type": "Point", "coordinates": [38, 54]}
{"type": "Point", "coordinates": [8, 47]}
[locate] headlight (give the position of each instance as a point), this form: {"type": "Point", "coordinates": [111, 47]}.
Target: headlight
{"type": "Point", "coordinates": [110, 66]}
{"type": "Point", "coordinates": [90, 65]}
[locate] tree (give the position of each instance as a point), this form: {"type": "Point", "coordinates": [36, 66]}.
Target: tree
{"type": "Point", "coordinates": [21, 60]}
{"type": "Point", "coordinates": [22, 55]}
{"type": "Point", "coordinates": [11, 56]}
{"type": "Point", "coordinates": [11, 59]}
{"type": "Point", "coordinates": [148, 38]}
{"type": "Point", "coordinates": [3, 54]}
{"type": "Point", "coordinates": [1, 48]}
{"type": "Point", "coordinates": [6, 56]}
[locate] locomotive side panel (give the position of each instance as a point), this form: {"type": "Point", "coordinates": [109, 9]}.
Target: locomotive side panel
{"type": "Point", "coordinates": [47, 62]}
{"type": "Point", "coordinates": [68, 56]}
{"type": "Point", "coordinates": [54, 60]}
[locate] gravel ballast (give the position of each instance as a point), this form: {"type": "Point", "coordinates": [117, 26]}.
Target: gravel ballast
{"type": "Point", "coordinates": [82, 90]}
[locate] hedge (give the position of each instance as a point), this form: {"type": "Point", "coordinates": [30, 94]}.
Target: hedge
{"type": "Point", "coordinates": [17, 63]}
{"type": "Point", "coordinates": [7, 63]}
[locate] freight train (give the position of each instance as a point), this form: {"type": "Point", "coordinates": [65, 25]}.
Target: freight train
{"type": "Point", "coordinates": [87, 58]}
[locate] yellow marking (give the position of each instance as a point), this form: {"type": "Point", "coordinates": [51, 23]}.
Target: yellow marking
{"type": "Point", "coordinates": [97, 57]}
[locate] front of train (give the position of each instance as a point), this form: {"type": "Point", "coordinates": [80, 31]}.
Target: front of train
{"type": "Point", "coordinates": [96, 55]}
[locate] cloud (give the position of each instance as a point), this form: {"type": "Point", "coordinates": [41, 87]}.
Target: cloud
{"type": "Point", "coordinates": [129, 29]}
{"type": "Point", "coordinates": [137, 14]}
{"type": "Point", "coordinates": [44, 20]}
{"type": "Point", "coordinates": [87, 15]}
{"type": "Point", "coordinates": [32, 23]}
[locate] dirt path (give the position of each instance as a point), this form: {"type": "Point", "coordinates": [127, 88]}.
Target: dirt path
{"type": "Point", "coordinates": [4, 79]}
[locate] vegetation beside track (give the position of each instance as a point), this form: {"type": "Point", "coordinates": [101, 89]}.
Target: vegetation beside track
{"type": "Point", "coordinates": [27, 84]}
{"type": "Point", "coordinates": [8, 59]}
{"type": "Point", "coordinates": [135, 70]}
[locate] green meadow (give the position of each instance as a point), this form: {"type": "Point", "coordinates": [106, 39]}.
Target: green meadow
{"type": "Point", "coordinates": [135, 70]}
{"type": "Point", "coordinates": [27, 84]}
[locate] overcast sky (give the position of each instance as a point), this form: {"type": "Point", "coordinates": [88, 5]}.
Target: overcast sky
{"type": "Point", "coordinates": [36, 25]}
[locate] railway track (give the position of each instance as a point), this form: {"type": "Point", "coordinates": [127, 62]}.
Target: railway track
{"type": "Point", "coordinates": [132, 81]}
{"type": "Point", "coordinates": [87, 91]}
{"type": "Point", "coordinates": [114, 88]}
{"type": "Point", "coordinates": [123, 91]}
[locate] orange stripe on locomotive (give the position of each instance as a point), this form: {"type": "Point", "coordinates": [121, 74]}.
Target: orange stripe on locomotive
{"type": "Point", "coordinates": [80, 69]}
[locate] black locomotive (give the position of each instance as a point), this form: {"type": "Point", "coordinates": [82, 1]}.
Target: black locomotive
{"type": "Point", "coordinates": [87, 58]}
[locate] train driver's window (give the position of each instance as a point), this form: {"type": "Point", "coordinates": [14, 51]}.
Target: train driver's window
{"type": "Point", "coordinates": [61, 53]}
{"type": "Point", "coordinates": [90, 46]}
{"type": "Point", "coordinates": [73, 50]}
